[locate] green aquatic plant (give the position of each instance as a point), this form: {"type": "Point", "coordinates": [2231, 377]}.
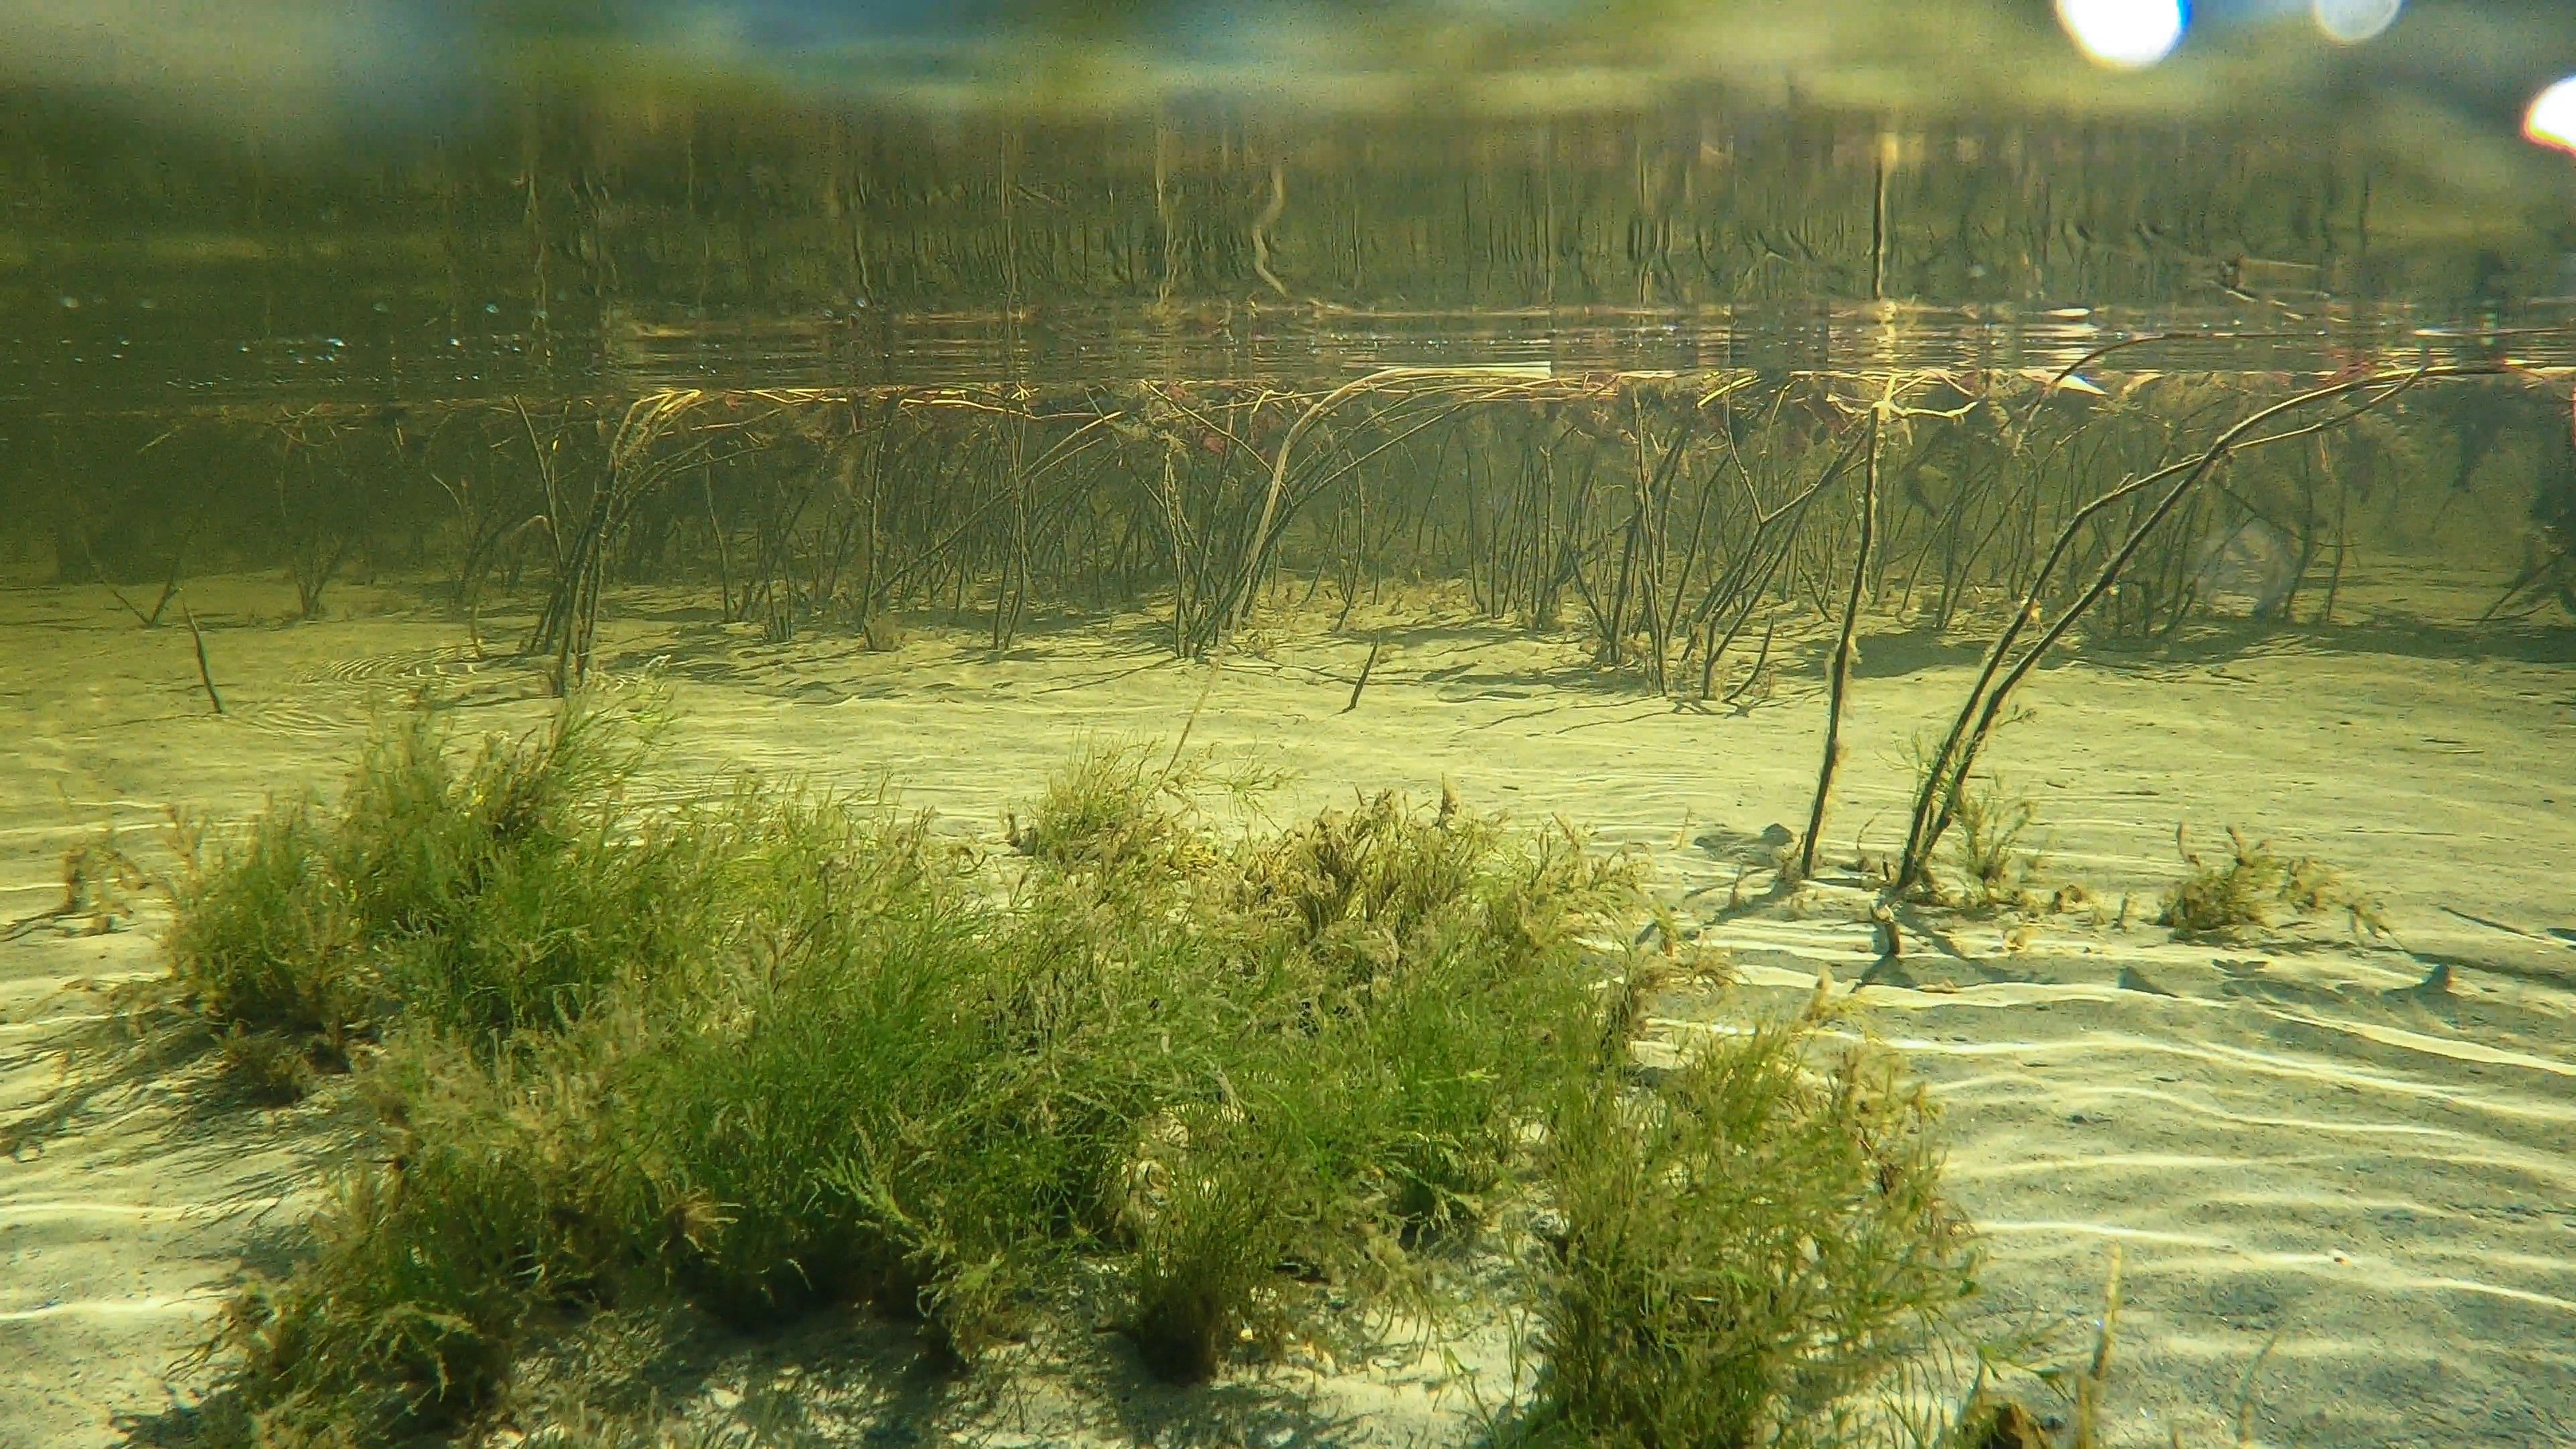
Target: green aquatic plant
{"type": "Point", "coordinates": [849, 1107]}
{"type": "Point", "coordinates": [1992, 848]}
{"type": "Point", "coordinates": [1269, 1072]}
{"type": "Point", "coordinates": [1742, 1250]}
{"type": "Point", "coordinates": [2247, 892]}
{"type": "Point", "coordinates": [488, 891]}
{"type": "Point", "coordinates": [1218, 1204]}
{"type": "Point", "coordinates": [1991, 851]}
{"type": "Point", "coordinates": [689, 1133]}
{"type": "Point", "coordinates": [425, 1273]}
{"type": "Point", "coordinates": [1415, 980]}
{"type": "Point", "coordinates": [261, 938]}
{"type": "Point", "coordinates": [1263, 1066]}
{"type": "Point", "coordinates": [1107, 807]}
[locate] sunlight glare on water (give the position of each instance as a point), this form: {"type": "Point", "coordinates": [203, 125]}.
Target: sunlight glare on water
{"type": "Point", "coordinates": [2125, 34]}
{"type": "Point", "coordinates": [2354, 21]}
{"type": "Point", "coordinates": [2551, 121]}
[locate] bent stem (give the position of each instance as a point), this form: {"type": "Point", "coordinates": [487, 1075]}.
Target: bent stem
{"type": "Point", "coordinates": [1937, 803]}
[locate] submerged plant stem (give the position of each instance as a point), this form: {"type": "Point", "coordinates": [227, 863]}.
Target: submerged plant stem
{"type": "Point", "coordinates": [205, 671]}
{"type": "Point", "coordinates": [1841, 676]}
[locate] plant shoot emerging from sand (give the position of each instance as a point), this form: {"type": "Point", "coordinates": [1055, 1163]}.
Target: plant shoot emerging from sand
{"type": "Point", "coordinates": [2250, 890]}
{"type": "Point", "coordinates": [1991, 847]}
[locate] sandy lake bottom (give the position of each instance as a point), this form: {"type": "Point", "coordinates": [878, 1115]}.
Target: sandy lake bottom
{"type": "Point", "coordinates": [2298, 1146]}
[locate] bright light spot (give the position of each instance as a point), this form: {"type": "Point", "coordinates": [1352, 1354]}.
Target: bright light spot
{"type": "Point", "coordinates": [2354, 21]}
{"type": "Point", "coordinates": [2552, 118]}
{"type": "Point", "coordinates": [2125, 34]}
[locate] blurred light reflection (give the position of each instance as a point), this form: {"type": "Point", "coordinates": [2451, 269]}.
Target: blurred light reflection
{"type": "Point", "coordinates": [2551, 121]}
{"type": "Point", "coordinates": [2125, 34]}
{"type": "Point", "coordinates": [2354, 21]}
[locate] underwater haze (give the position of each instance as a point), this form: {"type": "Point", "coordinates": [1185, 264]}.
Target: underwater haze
{"type": "Point", "coordinates": [1642, 724]}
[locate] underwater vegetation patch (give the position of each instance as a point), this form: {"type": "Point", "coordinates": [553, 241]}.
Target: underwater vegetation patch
{"type": "Point", "coordinates": [488, 891]}
{"type": "Point", "coordinates": [1991, 858]}
{"type": "Point", "coordinates": [2253, 888]}
{"type": "Point", "coordinates": [1743, 1251]}
{"type": "Point", "coordinates": [795, 1050]}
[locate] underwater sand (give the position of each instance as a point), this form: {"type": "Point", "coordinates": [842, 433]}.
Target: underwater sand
{"type": "Point", "coordinates": [2377, 1180]}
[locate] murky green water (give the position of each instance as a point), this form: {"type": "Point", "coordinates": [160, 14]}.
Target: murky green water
{"type": "Point", "coordinates": [216, 358]}
{"type": "Point", "coordinates": [1609, 462]}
